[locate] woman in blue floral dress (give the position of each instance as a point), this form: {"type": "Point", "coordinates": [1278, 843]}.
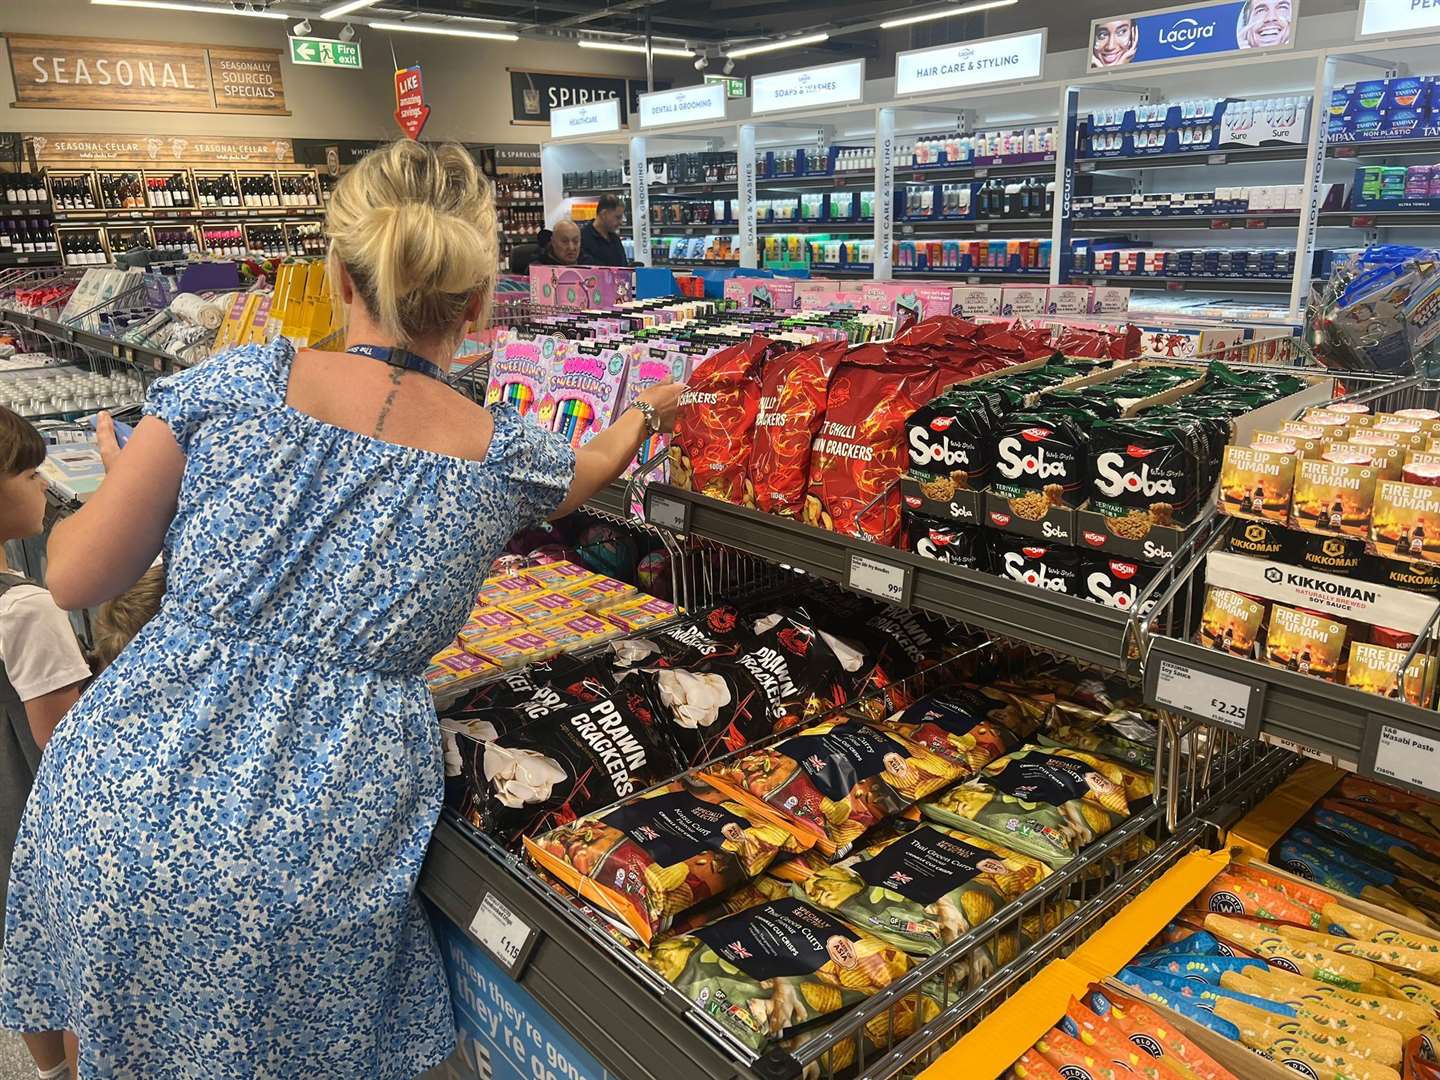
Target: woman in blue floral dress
{"type": "Point", "coordinates": [215, 878]}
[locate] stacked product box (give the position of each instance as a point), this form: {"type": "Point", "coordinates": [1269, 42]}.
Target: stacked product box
{"type": "Point", "coordinates": [1402, 107]}
{"type": "Point", "coordinates": [1346, 503]}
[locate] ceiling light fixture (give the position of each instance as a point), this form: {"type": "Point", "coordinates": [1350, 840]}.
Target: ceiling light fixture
{"type": "Point", "coordinates": [775, 46]}
{"type": "Point", "coordinates": [345, 8]}
{"type": "Point", "coordinates": [301, 28]}
{"type": "Point", "coordinates": [625, 46]}
{"type": "Point", "coordinates": [165, 5]}
{"type": "Point", "coordinates": [729, 66]}
{"type": "Point", "coordinates": [347, 33]}
{"type": "Point", "coordinates": [422, 28]}
{"type": "Point", "coordinates": [945, 13]}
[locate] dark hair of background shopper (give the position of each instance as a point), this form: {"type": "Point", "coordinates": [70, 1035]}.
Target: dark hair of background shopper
{"type": "Point", "coordinates": [600, 243]}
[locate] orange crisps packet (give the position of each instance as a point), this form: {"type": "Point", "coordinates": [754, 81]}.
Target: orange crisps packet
{"type": "Point", "coordinates": [1074, 1058]}
{"type": "Point", "coordinates": [1158, 1037]}
{"type": "Point", "coordinates": [1302, 892]}
{"type": "Point", "coordinates": [1031, 1065]}
{"type": "Point", "coordinates": [1100, 1034]}
{"type": "Point", "coordinates": [793, 389]}
{"type": "Point", "coordinates": [1230, 893]}
{"type": "Point", "coordinates": [648, 859]}
{"type": "Point", "coordinates": [836, 780]}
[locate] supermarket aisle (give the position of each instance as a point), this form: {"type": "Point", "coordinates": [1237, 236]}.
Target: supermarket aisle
{"type": "Point", "coordinates": [14, 1062]}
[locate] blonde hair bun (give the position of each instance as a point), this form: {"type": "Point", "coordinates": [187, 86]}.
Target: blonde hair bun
{"type": "Point", "coordinates": [414, 226]}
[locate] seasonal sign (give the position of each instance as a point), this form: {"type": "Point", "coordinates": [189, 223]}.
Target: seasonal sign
{"type": "Point", "coordinates": [1193, 32]}
{"type": "Point", "coordinates": [77, 148]}
{"type": "Point", "coordinates": [411, 112]}
{"type": "Point", "coordinates": [52, 72]}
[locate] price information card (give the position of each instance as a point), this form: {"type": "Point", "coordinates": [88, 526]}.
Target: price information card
{"type": "Point", "coordinates": [1216, 699]}
{"type": "Point", "coordinates": [1405, 756]}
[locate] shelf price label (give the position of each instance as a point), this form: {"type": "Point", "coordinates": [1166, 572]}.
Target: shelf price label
{"type": "Point", "coordinates": [1216, 699]}
{"type": "Point", "coordinates": [883, 580]}
{"type": "Point", "coordinates": [508, 937]}
{"type": "Point", "coordinates": [668, 513]}
{"type": "Point", "coordinates": [1399, 752]}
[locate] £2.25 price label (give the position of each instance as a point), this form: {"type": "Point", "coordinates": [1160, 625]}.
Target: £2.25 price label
{"type": "Point", "coordinates": [505, 934]}
{"type": "Point", "coordinates": [1231, 703]}
{"type": "Point", "coordinates": [883, 580]}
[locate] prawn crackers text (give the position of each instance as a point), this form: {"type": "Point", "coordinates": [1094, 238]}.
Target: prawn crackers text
{"type": "Point", "coordinates": [648, 859]}
{"type": "Point", "coordinates": [773, 968]}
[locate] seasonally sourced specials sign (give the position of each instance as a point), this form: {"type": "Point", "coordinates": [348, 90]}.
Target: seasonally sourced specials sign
{"type": "Point", "coordinates": [411, 112]}
{"type": "Point", "coordinates": [80, 147]}
{"type": "Point", "coordinates": [52, 72]}
{"type": "Point", "coordinates": [802, 88]}
{"type": "Point", "coordinates": [595, 118]}
{"type": "Point", "coordinates": [664, 107]}
{"type": "Point", "coordinates": [1192, 32]}
{"type": "Point", "coordinates": [971, 63]}
{"type": "Point", "coordinates": [1390, 18]}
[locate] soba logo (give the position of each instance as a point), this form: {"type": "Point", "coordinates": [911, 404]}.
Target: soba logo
{"type": "Point", "coordinates": [1226, 903]}
{"type": "Point", "coordinates": [1184, 34]}
{"type": "Point", "coordinates": [1300, 1067]}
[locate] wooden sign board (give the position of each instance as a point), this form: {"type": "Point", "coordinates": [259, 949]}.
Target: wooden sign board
{"type": "Point", "coordinates": [54, 72]}
{"type": "Point", "coordinates": [84, 149]}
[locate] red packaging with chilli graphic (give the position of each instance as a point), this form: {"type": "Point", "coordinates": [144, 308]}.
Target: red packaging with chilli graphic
{"type": "Point", "coordinates": [793, 392]}
{"type": "Point", "coordinates": [716, 420]}
{"type": "Point", "coordinates": [859, 450]}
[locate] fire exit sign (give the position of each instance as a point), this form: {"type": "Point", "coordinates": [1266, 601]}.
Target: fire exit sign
{"type": "Point", "coordinates": [734, 88]}
{"type": "Point", "coordinates": [325, 52]}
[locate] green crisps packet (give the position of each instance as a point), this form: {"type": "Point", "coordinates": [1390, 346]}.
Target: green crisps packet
{"type": "Point", "coordinates": [1037, 804]}
{"type": "Point", "coordinates": [924, 889]}
{"type": "Point", "coordinates": [770, 970]}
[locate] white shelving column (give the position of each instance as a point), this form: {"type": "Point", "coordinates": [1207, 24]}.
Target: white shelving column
{"type": "Point", "coordinates": [1313, 195]}
{"type": "Point", "coordinates": [885, 150]}
{"type": "Point", "coordinates": [552, 182]}
{"type": "Point", "coordinates": [640, 199]}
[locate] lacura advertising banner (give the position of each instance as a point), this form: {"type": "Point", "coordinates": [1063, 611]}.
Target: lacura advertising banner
{"type": "Point", "coordinates": [1193, 32]}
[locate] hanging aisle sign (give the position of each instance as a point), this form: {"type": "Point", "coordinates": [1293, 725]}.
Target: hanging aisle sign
{"type": "Point", "coordinates": [803, 88]}
{"type": "Point", "coordinates": [1390, 18]}
{"type": "Point", "coordinates": [411, 112]}
{"type": "Point", "coordinates": [74, 148]}
{"type": "Point", "coordinates": [988, 62]}
{"type": "Point", "coordinates": [52, 72]}
{"type": "Point", "coordinates": [1194, 32]}
{"type": "Point", "coordinates": [596, 118]}
{"type": "Point", "coordinates": [682, 106]}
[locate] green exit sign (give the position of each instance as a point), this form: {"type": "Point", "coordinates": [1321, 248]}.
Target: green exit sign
{"type": "Point", "coordinates": [325, 52]}
{"type": "Point", "coordinates": [734, 88]}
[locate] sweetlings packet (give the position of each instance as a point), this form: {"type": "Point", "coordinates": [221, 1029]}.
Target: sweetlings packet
{"type": "Point", "coordinates": [769, 970]}
{"type": "Point", "coordinates": [835, 780]}
{"type": "Point", "coordinates": [649, 859]}
{"type": "Point", "coordinates": [924, 889]}
{"type": "Point", "coordinates": [1036, 803]}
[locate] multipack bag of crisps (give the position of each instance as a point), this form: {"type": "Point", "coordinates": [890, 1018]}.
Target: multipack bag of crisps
{"type": "Point", "coordinates": [951, 727]}
{"type": "Point", "coordinates": [793, 391]}
{"type": "Point", "coordinates": [770, 970]}
{"type": "Point", "coordinates": [715, 422]}
{"type": "Point", "coordinates": [923, 889]}
{"type": "Point", "coordinates": [836, 780]}
{"type": "Point", "coordinates": [1038, 803]}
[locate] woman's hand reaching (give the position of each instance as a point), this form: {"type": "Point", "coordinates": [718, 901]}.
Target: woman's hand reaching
{"type": "Point", "coordinates": [665, 397]}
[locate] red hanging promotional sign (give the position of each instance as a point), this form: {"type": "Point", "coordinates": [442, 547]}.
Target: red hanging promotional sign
{"type": "Point", "coordinates": [411, 112]}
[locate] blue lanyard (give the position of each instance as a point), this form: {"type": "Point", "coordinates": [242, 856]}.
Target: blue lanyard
{"type": "Point", "coordinates": [400, 358]}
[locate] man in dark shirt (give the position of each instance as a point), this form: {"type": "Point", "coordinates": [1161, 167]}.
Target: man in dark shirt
{"type": "Point", "coordinates": [600, 243]}
{"type": "Point", "coordinates": [558, 248]}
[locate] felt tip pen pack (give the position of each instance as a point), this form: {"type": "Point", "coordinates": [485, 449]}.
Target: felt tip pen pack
{"type": "Point", "coordinates": [520, 371]}
{"type": "Point", "coordinates": [583, 391]}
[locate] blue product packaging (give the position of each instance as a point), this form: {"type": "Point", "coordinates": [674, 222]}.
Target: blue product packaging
{"type": "Point", "coordinates": [1370, 94]}
{"type": "Point", "coordinates": [1406, 92]}
{"type": "Point", "coordinates": [1401, 124]}
{"type": "Point", "coordinates": [1367, 124]}
{"type": "Point", "coordinates": [1341, 99]}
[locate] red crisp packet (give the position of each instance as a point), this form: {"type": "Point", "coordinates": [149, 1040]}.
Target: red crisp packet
{"type": "Point", "coordinates": [715, 422]}
{"type": "Point", "coordinates": [793, 389]}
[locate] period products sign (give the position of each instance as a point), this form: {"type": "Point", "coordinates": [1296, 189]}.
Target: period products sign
{"type": "Point", "coordinates": [84, 149]}
{"type": "Point", "coordinates": [145, 76]}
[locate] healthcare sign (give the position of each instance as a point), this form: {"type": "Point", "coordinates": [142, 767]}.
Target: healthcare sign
{"type": "Point", "coordinates": [1194, 32]}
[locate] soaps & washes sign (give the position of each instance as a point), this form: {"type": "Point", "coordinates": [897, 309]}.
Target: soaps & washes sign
{"type": "Point", "coordinates": [986, 62]}
{"type": "Point", "coordinates": [830, 84]}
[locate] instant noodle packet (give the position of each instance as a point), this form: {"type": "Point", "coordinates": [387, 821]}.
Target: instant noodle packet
{"type": "Point", "coordinates": [649, 859]}
{"type": "Point", "coordinates": [766, 972]}
{"type": "Point", "coordinates": [924, 889]}
{"type": "Point", "coordinates": [836, 780]}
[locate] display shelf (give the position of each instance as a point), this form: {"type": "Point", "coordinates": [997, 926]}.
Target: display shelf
{"type": "Point", "coordinates": [36, 258]}
{"type": "Point", "coordinates": [1379, 219]}
{"type": "Point", "coordinates": [999, 227]}
{"type": "Point", "coordinates": [979, 170]}
{"type": "Point", "coordinates": [1164, 223]}
{"type": "Point", "coordinates": [1385, 148]}
{"type": "Point", "coordinates": [809, 225]}
{"type": "Point", "coordinates": [1060, 624]}
{"type": "Point", "coordinates": [1190, 159]}
{"type": "Point", "coordinates": [977, 275]}
{"type": "Point", "coordinates": [703, 188]}
{"type": "Point", "coordinates": [828, 181]}
{"type": "Point", "coordinates": [594, 192]}
{"type": "Point", "coordinates": [714, 264]}
{"type": "Point", "coordinates": [139, 355]}
{"type": "Point", "coordinates": [1177, 282]}
{"type": "Point", "coordinates": [693, 226]}
{"type": "Point", "coordinates": [12, 210]}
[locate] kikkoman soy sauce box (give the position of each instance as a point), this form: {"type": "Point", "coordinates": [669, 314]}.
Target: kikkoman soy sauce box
{"type": "Point", "coordinates": [1305, 643]}
{"type": "Point", "coordinates": [1334, 497]}
{"type": "Point", "coordinates": [1406, 521]}
{"type": "Point", "coordinates": [1231, 622]}
{"type": "Point", "coordinates": [1376, 669]}
{"type": "Point", "coordinates": [1256, 484]}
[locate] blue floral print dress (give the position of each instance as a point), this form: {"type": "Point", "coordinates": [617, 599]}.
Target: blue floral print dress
{"type": "Point", "coordinates": [216, 872]}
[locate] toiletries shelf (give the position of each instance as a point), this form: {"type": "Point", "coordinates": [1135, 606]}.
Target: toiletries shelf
{"type": "Point", "coordinates": [714, 264]}
{"type": "Point", "coordinates": [828, 181]}
{"type": "Point", "coordinates": [1166, 222]}
{"type": "Point", "coordinates": [1001, 226]}
{"type": "Point", "coordinates": [1385, 148]}
{"type": "Point", "coordinates": [819, 226]}
{"type": "Point", "coordinates": [975, 170]}
{"type": "Point", "coordinates": [974, 277]}
{"type": "Point", "coordinates": [1233, 156]}
{"type": "Point", "coordinates": [1182, 281]}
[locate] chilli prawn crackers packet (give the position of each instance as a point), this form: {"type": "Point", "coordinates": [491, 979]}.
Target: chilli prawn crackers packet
{"type": "Point", "coordinates": [772, 969]}
{"type": "Point", "coordinates": [924, 889]}
{"type": "Point", "coordinates": [715, 422]}
{"type": "Point", "coordinates": [651, 858]}
{"type": "Point", "coordinates": [836, 781]}
{"type": "Point", "coordinates": [793, 391]}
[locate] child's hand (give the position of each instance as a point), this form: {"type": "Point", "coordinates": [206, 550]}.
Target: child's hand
{"type": "Point", "coordinates": [106, 440]}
